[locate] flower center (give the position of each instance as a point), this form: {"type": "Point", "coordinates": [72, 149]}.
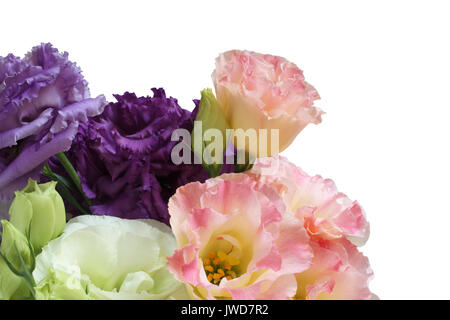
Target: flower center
{"type": "Point", "coordinates": [220, 265]}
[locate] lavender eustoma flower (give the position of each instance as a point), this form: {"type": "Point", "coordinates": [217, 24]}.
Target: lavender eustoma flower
{"type": "Point", "coordinates": [123, 156]}
{"type": "Point", "coordinates": [43, 99]}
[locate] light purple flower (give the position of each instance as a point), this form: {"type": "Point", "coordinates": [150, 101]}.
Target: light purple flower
{"type": "Point", "coordinates": [43, 99]}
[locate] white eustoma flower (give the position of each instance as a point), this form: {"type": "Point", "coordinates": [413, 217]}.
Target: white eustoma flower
{"type": "Point", "coordinates": [102, 257]}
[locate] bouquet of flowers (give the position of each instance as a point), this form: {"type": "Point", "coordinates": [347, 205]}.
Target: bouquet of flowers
{"type": "Point", "coordinates": [139, 198]}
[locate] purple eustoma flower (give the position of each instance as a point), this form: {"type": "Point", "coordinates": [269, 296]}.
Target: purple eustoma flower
{"type": "Point", "coordinates": [43, 99]}
{"type": "Point", "coordinates": [123, 156]}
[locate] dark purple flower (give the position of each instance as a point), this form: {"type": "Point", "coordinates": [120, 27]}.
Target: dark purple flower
{"type": "Point", "coordinates": [43, 98]}
{"type": "Point", "coordinates": [123, 156]}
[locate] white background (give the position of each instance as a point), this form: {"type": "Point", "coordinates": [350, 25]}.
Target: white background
{"type": "Point", "coordinates": [381, 67]}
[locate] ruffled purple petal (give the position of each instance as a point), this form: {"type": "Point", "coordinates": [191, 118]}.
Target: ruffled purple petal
{"type": "Point", "coordinates": [123, 156]}
{"type": "Point", "coordinates": [43, 99]}
{"type": "Point", "coordinates": [32, 158]}
{"type": "Point", "coordinates": [9, 138]}
{"type": "Point", "coordinates": [71, 84]}
{"type": "Point", "coordinates": [78, 112]}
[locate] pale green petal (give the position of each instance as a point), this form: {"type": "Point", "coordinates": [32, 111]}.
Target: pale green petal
{"type": "Point", "coordinates": [180, 294]}
{"type": "Point", "coordinates": [59, 285]}
{"type": "Point", "coordinates": [92, 253]}
{"type": "Point", "coordinates": [21, 212]}
{"type": "Point", "coordinates": [43, 222]}
{"type": "Point", "coordinates": [137, 282]}
{"type": "Point", "coordinates": [60, 218]}
{"type": "Point", "coordinates": [111, 258]}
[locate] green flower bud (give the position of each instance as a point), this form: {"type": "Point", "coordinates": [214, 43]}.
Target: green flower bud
{"type": "Point", "coordinates": [210, 124]}
{"type": "Point", "coordinates": [14, 243]}
{"type": "Point", "coordinates": [38, 210]}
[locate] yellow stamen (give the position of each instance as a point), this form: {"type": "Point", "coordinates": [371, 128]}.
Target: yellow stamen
{"type": "Point", "coordinates": [220, 265]}
{"type": "Point", "coordinates": [209, 268]}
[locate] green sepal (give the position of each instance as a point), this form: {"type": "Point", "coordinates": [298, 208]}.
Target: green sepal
{"type": "Point", "coordinates": [211, 115]}
{"type": "Point", "coordinates": [18, 255]}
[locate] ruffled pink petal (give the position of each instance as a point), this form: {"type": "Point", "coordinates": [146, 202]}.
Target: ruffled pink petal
{"type": "Point", "coordinates": [293, 246]}
{"type": "Point", "coordinates": [326, 212]}
{"type": "Point", "coordinates": [228, 197]}
{"type": "Point", "coordinates": [246, 293]}
{"type": "Point", "coordinates": [313, 291]}
{"type": "Point", "coordinates": [338, 272]}
{"type": "Point", "coordinates": [284, 288]}
{"type": "Point", "coordinates": [272, 260]}
{"type": "Point", "coordinates": [184, 264]}
{"type": "Point", "coordinates": [275, 204]}
{"type": "Point", "coordinates": [272, 82]}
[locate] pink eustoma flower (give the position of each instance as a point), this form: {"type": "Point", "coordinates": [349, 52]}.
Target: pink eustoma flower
{"type": "Point", "coordinates": [262, 91]}
{"type": "Point", "coordinates": [236, 241]}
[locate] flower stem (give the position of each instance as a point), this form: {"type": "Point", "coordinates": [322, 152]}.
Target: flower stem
{"type": "Point", "coordinates": [73, 175]}
{"type": "Point", "coordinates": [64, 187]}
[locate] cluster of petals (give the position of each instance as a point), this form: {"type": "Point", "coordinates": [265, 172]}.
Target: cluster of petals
{"type": "Point", "coordinates": [294, 235]}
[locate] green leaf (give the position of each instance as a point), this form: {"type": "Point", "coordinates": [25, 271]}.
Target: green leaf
{"type": "Point", "coordinates": [66, 194]}
{"type": "Point", "coordinates": [56, 177]}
